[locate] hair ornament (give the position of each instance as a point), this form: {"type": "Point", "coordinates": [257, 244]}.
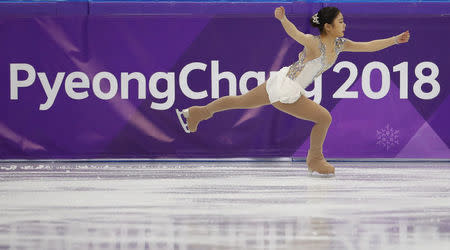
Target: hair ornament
{"type": "Point", "coordinates": [315, 18]}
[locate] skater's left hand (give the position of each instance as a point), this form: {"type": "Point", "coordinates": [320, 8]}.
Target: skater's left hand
{"type": "Point", "coordinates": [403, 37]}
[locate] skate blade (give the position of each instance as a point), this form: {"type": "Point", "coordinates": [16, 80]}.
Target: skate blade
{"type": "Point", "coordinates": [316, 174]}
{"type": "Point", "coordinates": [180, 119]}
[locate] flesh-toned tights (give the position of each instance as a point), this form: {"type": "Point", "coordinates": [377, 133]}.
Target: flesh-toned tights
{"type": "Point", "coordinates": [303, 108]}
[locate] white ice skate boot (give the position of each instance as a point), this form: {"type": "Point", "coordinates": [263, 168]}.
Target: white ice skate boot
{"type": "Point", "coordinates": [185, 113]}
{"type": "Point", "coordinates": [193, 116]}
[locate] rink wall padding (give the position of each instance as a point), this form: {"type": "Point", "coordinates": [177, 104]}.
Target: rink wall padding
{"type": "Point", "coordinates": [102, 80]}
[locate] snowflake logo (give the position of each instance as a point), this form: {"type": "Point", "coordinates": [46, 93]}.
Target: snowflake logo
{"type": "Point", "coordinates": [387, 137]}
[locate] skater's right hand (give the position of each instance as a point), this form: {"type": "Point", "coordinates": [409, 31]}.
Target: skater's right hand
{"type": "Point", "coordinates": [280, 13]}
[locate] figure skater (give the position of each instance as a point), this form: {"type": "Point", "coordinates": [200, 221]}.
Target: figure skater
{"type": "Point", "coordinates": [285, 89]}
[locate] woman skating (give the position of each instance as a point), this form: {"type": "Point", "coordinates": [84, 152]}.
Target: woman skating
{"type": "Point", "coordinates": [285, 89]}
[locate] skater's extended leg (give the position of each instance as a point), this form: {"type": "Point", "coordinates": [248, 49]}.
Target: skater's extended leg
{"type": "Point", "coordinates": [256, 97]}
{"type": "Point", "coordinates": [307, 109]}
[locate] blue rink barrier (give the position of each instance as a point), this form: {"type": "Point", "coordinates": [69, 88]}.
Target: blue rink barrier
{"type": "Point", "coordinates": [199, 7]}
{"type": "Point", "coordinates": [157, 39]}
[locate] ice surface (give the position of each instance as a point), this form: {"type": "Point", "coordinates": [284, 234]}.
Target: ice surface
{"type": "Point", "coordinates": [224, 205]}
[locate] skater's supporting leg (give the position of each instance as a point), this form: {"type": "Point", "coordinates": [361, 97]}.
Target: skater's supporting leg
{"type": "Point", "coordinates": [307, 109]}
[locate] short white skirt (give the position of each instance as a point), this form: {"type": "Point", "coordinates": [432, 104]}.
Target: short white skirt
{"type": "Point", "coordinates": [281, 88]}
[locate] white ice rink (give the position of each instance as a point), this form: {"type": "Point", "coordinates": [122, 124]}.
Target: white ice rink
{"type": "Point", "coordinates": [224, 205]}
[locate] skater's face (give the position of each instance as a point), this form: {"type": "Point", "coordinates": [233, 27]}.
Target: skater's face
{"type": "Point", "coordinates": [338, 27]}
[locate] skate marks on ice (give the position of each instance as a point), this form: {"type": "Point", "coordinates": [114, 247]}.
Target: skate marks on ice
{"type": "Point", "coordinates": [223, 205]}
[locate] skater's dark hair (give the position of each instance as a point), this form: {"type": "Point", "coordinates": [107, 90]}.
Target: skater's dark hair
{"type": "Point", "coordinates": [325, 15]}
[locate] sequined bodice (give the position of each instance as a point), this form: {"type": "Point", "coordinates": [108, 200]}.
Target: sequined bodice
{"type": "Point", "coordinates": [319, 64]}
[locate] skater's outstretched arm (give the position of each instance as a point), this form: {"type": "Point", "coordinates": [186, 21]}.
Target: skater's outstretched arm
{"type": "Point", "coordinates": [375, 45]}
{"type": "Point", "coordinates": [304, 39]}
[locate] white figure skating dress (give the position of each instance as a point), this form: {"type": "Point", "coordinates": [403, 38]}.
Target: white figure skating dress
{"type": "Point", "coordinates": [289, 83]}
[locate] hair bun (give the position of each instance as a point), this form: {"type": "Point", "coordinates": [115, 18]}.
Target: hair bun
{"type": "Point", "coordinates": [323, 16]}
{"type": "Point", "coordinates": [314, 20]}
